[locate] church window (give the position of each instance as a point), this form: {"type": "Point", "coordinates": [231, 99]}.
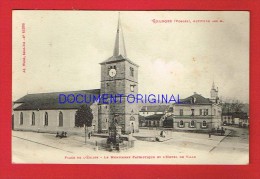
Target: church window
{"type": "Point", "coordinates": [106, 120]}
{"type": "Point", "coordinates": [33, 119]}
{"type": "Point", "coordinates": [192, 124]}
{"type": "Point", "coordinates": [21, 118]}
{"type": "Point", "coordinates": [46, 119]}
{"type": "Point", "coordinates": [200, 112]}
{"type": "Point", "coordinates": [108, 69]}
{"type": "Point", "coordinates": [204, 124]}
{"type": "Point", "coordinates": [181, 123]}
{"type": "Point", "coordinates": [60, 119]}
{"type": "Point", "coordinates": [132, 71]}
{"type": "Point", "coordinates": [181, 112]}
{"type": "Point", "coordinates": [132, 88]}
{"type": "Point", "coordinates": [115, 67]}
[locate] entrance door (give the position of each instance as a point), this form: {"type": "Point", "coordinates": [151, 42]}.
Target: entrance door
{"type": "Point", "coordinates": [132, 126]}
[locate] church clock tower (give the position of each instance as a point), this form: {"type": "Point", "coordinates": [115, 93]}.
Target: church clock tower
{"type": "Point", "coordinates": [119, 75]}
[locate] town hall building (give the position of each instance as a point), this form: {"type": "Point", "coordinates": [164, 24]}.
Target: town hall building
{"type": "Point", "coordinates": [42, 112]}
{"type": "Point", "coordinates": [196, 113]}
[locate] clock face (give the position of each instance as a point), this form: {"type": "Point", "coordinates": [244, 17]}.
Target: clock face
{"type": "Point", "coordinates": [112, 72]}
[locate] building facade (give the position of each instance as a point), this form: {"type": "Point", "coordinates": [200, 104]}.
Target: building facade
{"type": "Point", "coordinates": [195, 113]}
{"type": "Point", "coordinates": [152, 116]}
{"type": "Point", "coordinates": [240, 119]}
{"type": "Point", "coordinates": [43, 112]}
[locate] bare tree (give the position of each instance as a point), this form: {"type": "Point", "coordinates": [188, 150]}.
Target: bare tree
{"type": "Point", "coordinates": [231, 106]}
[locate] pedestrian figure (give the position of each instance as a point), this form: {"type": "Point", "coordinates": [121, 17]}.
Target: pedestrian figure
{"type": "Point", "coordinates": [222, 132]}
{"type": "Point", "coordinates": [57, 135]}
{"type": "Point", "coordinates": [62, 134]}
{"type": "Point", "coordinates": [89, 135]}
{"type": "Point", "coordinates": [209, 135]}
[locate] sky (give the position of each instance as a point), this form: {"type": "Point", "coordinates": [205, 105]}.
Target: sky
{"type": "Point", "coordinates": [63, 50]}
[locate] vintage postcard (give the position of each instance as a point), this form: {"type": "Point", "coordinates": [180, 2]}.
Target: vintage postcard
{"type": "Point", "coordinates": [130, 87]}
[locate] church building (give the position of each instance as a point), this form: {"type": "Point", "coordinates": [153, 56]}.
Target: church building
{"type": "Point", "coordinates": [42, 112]}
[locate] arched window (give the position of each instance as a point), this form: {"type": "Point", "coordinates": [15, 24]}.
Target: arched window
{"type": "Point", "coordinates": [204, 124]}
{"type": "Point", "coordinates": [181, 123]}
{"type": "Point", "coordinates": [60, 119]}
{"type": "Point", "coordinates": [46, 119]}
{"type": "Point", "coordinates": [132, 71]}
{"type": "Point", "coordinates": [33, 119]}
{"type": "Point", "coordinates": [192, 124]}
{"type": "Point", "coordinates": [21, 118]}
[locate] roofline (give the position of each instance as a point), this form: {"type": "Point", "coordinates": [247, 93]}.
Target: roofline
{"type": "Point", "coordinates": [63, 91]}
{"type": "Point", "coordinates": [52, 93]}
{"type": "Point", "coordinates": [114, 61]}
{"type": "Point", "coordinates": [44, 109]}
{"type": "Point", "coordinates": [182, 104]}
{"type": "Point", "coordinates": [152, 111]}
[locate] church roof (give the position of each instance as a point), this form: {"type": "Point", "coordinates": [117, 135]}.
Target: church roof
{"type": "Point", "coordinates": [118, 59]}
{"type": "Point", "coordinates": [49, 101]}
{"type": "Point", "coordinates": [196, 99]}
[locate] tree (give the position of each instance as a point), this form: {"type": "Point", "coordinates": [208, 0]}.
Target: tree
{"type": "Point", "coordinates": [84, 118]}
{"type": "Point", "coordinates": [232, 106]}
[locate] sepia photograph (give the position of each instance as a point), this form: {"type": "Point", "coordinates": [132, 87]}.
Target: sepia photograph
{"type": "Point", "coordinates": [130, 87]}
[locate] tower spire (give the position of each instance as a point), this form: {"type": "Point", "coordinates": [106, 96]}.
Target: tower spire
{"type": "Point", "coordinates": [213, 85]}
{"type": "Point", "coordinates": [119, 48]}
